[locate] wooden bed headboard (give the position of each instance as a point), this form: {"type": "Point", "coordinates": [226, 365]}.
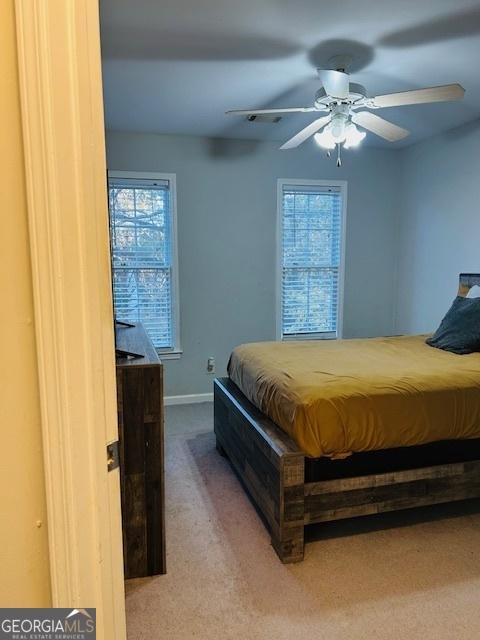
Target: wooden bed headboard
{"type": "Point", "coordinates": [466, 281]}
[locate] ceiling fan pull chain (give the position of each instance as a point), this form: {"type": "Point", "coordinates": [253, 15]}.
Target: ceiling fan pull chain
{"type": "Point", "coordinates": [339, 158]}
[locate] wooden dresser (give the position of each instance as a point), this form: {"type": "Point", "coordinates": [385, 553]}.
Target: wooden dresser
{"type": "Point", "coordinates": [141, 452]}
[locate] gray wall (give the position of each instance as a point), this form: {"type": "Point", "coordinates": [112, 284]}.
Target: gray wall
{"type": "Point", "coordinates": [439, 225]}
{"type": "Point", "coordinates": [226, 227]}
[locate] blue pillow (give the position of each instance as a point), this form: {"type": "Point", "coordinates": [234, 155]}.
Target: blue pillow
{"type": "Point", "coordinates": [459, 331]}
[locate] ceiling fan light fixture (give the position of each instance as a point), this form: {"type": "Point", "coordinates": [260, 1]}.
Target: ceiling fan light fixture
{"type": "Point", "coordinates": [338, 127]}
{"type": "Point", "coordinates": [325, 138]}
{"type": "Point", "coordinates": [353, 136]}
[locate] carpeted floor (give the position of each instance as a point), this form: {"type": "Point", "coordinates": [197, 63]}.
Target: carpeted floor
{"type": "Point", "coordinates": [411, 575]}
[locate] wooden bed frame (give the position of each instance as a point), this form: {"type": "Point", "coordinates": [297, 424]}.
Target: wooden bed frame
{"type": "Point", "coordinates": [291, 490]}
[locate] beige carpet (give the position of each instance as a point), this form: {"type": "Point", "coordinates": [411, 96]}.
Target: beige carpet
{"type": "Point", "coordinates": [410, 575]}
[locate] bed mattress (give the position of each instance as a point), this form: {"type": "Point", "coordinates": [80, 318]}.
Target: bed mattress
{"type": "Point", "coordinates": [337, 397]}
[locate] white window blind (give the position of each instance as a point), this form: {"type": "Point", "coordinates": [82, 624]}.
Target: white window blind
{"type": "Point", "coordinates": [311, 231]}
{"type": "Point", "coordinates": [142, 236]}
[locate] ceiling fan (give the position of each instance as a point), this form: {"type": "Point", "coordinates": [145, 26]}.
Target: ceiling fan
{"type": "Point", "coordinates": [345, 102]}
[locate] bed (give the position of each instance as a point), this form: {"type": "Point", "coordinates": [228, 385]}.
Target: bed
{"type": "Point", "coordinates": [325, 430]}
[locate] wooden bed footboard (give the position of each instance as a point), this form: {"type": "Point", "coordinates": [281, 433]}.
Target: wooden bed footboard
{"type": "Point", "coordinates": [466, 281]}
{"type": "Point", "coordinates": [272, 468]}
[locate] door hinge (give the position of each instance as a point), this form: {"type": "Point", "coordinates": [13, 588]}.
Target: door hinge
{"type": "Point", "coordinates": [113, 455]}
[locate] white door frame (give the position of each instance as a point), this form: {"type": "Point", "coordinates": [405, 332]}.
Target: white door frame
{"type": "Point", "coordinates": [62, 117]}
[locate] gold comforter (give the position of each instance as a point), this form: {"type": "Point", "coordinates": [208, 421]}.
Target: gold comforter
{"type": "Point", "coordinates": [338, 397]}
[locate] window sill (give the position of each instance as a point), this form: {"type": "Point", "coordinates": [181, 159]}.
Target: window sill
{"type": "Point", "coordinates": [170, 355]}
{"type": "Point", "coordinates": [306, 336]}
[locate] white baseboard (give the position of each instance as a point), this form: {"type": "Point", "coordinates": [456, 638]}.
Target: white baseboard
{"type": "Point", "coordinates": [193, 398]}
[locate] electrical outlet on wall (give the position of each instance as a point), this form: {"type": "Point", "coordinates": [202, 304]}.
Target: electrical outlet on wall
{"type": "Point", "coordinates": [211, 365]}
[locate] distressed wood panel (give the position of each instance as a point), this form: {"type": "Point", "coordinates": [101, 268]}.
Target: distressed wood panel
{"type": "Point", "coordinates": [154, 457]}
{"type": "Point", "coordinates": [141, 445]}
{"type": "Point", "coordinates": [377, 480]}
{"type": "Point", "coordinates": [268, 463]}
{"type": "Point", "coordinates": [466, 281]}
{"type": "Point", "coordinates": [135, 525]}
{"type": "Point", "coordinates": [419, 487]}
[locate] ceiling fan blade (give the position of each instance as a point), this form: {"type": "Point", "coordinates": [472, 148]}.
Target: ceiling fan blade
{"type": "Point", "coordinates": [379, 126]}
{"type": "Point", "coordinates": [257, 112]}
{"type": "Point", "coordinates": [305, 133]}
{"type": "Point", "coordinates": [335, 83]}
{"type": "Point", "coordinates": [418, 96]}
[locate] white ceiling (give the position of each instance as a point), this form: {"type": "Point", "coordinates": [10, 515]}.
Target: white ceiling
{"type": "Point", "coordinates": [175, 66]}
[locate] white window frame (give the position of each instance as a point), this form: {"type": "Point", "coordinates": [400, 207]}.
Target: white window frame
{"type": "Point", "coordinates": [342, 185]}
{"type": "Point", "coordinates": [174, 352]}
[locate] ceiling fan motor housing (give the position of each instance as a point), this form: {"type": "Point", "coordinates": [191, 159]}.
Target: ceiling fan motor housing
{"type": "Point", "coordinates": [340, 62]}
{"type": "Point", "coordinates": [356, 93]}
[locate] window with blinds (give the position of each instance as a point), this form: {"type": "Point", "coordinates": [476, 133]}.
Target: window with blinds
{"type": "Point", "coordinates": [311, 246]}
{"type": "Point", "coordinates": [142, 226]}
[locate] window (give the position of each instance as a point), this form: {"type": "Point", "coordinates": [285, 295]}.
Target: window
{"type": "Point", "coordinates": [310, 219]}
{"type": "Point", "coordinates": [143, 236]}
